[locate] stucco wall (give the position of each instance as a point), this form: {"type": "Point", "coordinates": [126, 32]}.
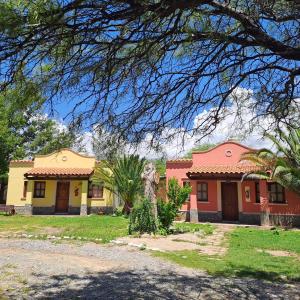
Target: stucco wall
{"type": "Point", "coordinates": [251, 206]}
{"type": "Point", "coordinates": [16, 183]}
{"type": "Point", "coordinates": [64, 159]}
{"type": "Point", "coordinates": [50, 193]}
{"type": "Point", "coordinates": [217, 155]}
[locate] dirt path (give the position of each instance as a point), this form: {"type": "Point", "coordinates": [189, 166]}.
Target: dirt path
{"type": "Point", "coordinates": [35, 269]}
{"type": "Point", "coordinates": [213, 244]}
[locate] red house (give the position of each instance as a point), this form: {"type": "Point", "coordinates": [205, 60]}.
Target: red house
{"type": "Point", "coordinates": [219, 194]}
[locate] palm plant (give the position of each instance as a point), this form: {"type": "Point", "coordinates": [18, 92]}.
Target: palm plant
{"type": "Point", "coordinates": [123, 177]}
{"type": "Point", "coordinates": [282, 166]}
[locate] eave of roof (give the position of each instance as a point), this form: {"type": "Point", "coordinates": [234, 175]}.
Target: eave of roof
{"type": "Point", "coordinates": [180, 160]}
{"type": "Point", "coordinates": [59, 172]}
{"type": "Point", "coordinates": [21, 161]}
{"type": "Point", "coordinates": [223, 169]}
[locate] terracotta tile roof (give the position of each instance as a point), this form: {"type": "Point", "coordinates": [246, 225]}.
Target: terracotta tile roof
{"type": "Point", "coordinates": [59, 172]}
{"type": "Point", "coordinates": [224, 169]}
{"type": "Point", "coordinates": [179, 160]}
{"type": "Point", "coordinates": [21, 161]}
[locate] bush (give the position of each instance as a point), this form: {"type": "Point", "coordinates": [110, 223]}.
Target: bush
{"type": "Point", "coordinates": [142, 219]}
{"type": "Point", "coordinates": [118, 211]}
{"type": "Point", "coordinates": [167, 211]}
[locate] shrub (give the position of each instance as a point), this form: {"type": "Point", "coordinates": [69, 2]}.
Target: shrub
{"type": "Point", "coordinates": [118, 211]}
{"type": "Point", "coordinates": [167, 211]}
{"type": "Point", "coordinates": [142, 219]}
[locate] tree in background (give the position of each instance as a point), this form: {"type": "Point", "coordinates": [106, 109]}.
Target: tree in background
{"type": "Point", "coordinates": [107, 146]}
{"type": "Point", "coordinates": [200, 147]}
{"type": "Point", "coordinates": [282, 166]}
{"type": "Point", "coordinates": [123, 177]}
{"type": "Point", "coordinates": [139, 67]}
{"type": "Point", "coordinates": [24, 129]}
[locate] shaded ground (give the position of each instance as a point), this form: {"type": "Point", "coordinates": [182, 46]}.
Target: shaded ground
{"type": "Point", "coordinates": [211, 244]}
{"type": "Point", "coordinates": [36, 269]}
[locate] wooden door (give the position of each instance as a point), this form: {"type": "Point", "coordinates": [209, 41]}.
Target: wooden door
{"type": "Point", "coordinates": [230, 206]}
{"type": "Point", "coordinates": [62, 196]}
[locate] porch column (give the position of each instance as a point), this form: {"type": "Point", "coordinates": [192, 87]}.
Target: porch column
{"type": "Point", "coordinates": [193, 203]}
{"type": "Point", "coordinates": [29, 196]}
{"type": "Point", "coordinates": [264, 203]}
{"type": "Point", "coordinates": [84, 194]}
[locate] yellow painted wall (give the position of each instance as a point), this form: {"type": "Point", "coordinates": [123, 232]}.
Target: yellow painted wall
{"type": "Point", "coordinates": [16, 183]}
{"type": "Point", "coordinates": [64, 159]}
{"type": "Point", "coordinates": [107, 200]}
{"type": "Point", "coordinates": [50, 195]}
{"type": "Point", "coordinates": [74, 200]}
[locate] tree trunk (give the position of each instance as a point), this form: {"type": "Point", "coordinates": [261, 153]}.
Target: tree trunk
{"type": "Point", "coordinates": [126, 208]}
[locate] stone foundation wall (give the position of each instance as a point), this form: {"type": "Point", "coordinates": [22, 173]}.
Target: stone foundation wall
{"type": "Point", "coordinates": [50, 210]}
{"type": "Point", "coordinates": [74, 210]}
{"type": "Point", "coordinates": [98, 209]}
{"type": "Point", "coordinates": [200, 216]}
{"type": "Point", "coordinates": [210, 216]}
{"type": "Point", "coordinates": [244, 218]}
{"type": "Point", "coordinates": [281, 220]}
{"type": "Point", "coordinates": [252, 219]}
{"type": "Point", "coordinates": [24, 210]}
{"type": "Point", "coordinates": [183, 215]}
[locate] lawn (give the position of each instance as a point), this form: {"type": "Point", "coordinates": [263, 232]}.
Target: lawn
{"type": "Point", "coordinates": [247, 256]}
{"type": "Point", "coordinates": [91, 227]}
{"type": "Point", "coordinates": [193, 227]}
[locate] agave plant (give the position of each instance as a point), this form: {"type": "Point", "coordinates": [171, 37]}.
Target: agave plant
{"type": "Point", "coordinates": [123, 177]}
{"type": "Point", "coordinates": [282, 166]}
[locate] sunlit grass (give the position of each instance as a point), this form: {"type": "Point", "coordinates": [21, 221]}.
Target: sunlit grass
{"type": "Point", "coordinates": [243, 257]}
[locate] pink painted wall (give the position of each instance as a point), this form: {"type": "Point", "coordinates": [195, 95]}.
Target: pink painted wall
{"type": "Point", "coordinates": [212, 204]}
{"type": "Point", "coordinates": [217, 155]}
{"type": "Point", "coordinates": [291, 207]}
{"type": "Point", "coordinates": [250, 207]}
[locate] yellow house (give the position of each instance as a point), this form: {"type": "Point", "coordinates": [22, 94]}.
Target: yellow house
{"type": "Point", "coordinates": [60, 182]}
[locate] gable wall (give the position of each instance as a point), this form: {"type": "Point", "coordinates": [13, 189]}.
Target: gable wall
{"type": "Point", "coordinates": [217, 155]}
{"type": "Point", "coordinates": [64, 159]}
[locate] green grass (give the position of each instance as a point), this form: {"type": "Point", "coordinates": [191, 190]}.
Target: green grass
{"type": "Point", "coordinates": [242, 258]}
{"type": "Point", "coordinates": [192, 227]}
{"type": "Point", "coordinates": [91, 227]}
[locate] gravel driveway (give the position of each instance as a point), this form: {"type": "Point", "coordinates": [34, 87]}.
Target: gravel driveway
{"type": "Point", "coordinates": [36, 269]}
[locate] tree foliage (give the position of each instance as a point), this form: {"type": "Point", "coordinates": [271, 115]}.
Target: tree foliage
{"type": "Point", "coordinates": [199, 147]}
{"type": "Point", "coordinates": [123, 178]}
{"type": "Point", "coordinates": [138, 67]}
{"type": "Point", "coordinates": [282, 166]}
{"type": "Point", "coordinates": [168, 210]}
{"type": "Point", "coordinates": [24, 129]}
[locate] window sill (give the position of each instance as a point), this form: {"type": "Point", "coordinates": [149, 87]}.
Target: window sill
{"type": "Point", "coordinates": [23, 198]}
{"type": "Point", "coordinates": [96, 199]}
{"type": "Point", "coordinates": [38, 197]}
{"type": "Point", "coordinates": [200, 201]}
{"type": "Point", "coordinates": [286, 204]}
